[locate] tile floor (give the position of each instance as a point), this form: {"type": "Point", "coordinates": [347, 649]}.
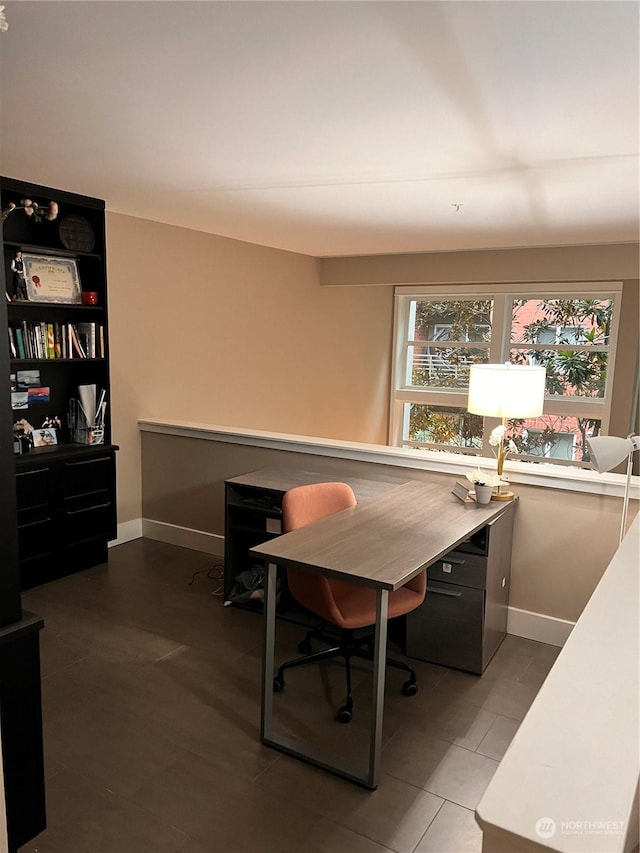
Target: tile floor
{"type": "Point", "coordinates": [151, 724]}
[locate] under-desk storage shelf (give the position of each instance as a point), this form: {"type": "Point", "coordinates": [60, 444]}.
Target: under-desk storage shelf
{"type": "Point", "coordinates": [253, 514]}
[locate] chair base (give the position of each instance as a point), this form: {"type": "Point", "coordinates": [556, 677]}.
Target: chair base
{"type": "Point", "coordinates": [348, 647]}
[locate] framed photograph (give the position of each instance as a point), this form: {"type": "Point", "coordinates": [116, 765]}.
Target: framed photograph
{"type": "Point", "coordinates": [19, 399]}
{"type": "Point", "coordinates": [462, 492]}
{"type": "Point", "coordinates": [38, 395]}
{"type": "Point", "coordinates": [44, 437]}
{"type": "Point", "coordinates": [50, 279]}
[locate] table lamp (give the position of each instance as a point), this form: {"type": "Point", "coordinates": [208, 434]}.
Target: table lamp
{"type": "Point", "coordinates": [506, 391]}
{"type": "Point", "coordinates": [608, 451]}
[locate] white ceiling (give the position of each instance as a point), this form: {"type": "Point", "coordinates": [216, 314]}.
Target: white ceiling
{"type": "Point", "coordinates": [334, 128]}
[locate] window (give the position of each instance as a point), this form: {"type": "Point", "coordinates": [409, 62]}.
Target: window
{"type": "Point", "coordinates": [570, 329]}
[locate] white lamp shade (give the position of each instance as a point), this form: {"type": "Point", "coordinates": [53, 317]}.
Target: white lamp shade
{"type": "Point", "coordinates": [506, 390]}
{"type": "Point", "coordinates": [607, 451]}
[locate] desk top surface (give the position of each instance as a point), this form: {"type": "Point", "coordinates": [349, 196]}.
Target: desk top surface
{"type": "Point", "coordinates": [385, 541]}
{"type": "Point", "coordinates": [280, 480]}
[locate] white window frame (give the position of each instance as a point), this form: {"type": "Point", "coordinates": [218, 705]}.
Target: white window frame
{"type": "Point", "coordinates": [498, 348]}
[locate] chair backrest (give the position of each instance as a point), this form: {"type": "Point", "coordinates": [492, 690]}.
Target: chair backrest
{"type": "Point", "coordinates": [301, 506]}
{"type": "Point", "coordinates": [306, 504]}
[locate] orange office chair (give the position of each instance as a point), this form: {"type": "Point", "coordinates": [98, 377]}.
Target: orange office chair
{"type": "Point", "coordinates": [342, 604]}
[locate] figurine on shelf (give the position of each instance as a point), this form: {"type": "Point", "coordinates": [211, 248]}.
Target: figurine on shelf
{"type": "Point", "coordinates": [23, 431]}
{"type": "Point", "coordinates": [33, 209]}
{"type": "Point", "coordinates": [19, 281]}
{"type": "Point", "coordinates": [52, 422]}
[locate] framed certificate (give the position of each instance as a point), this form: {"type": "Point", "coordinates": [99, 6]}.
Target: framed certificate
{"type": "Point", "coordinates": [50, 279]}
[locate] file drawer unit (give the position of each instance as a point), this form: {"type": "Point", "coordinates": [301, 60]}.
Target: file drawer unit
{"type": "Point", "coordinates": [66, 511]}
{"type": "Point", "coordinates": [463, 618]}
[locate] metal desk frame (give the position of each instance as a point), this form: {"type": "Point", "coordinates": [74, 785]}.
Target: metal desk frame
{"type": "Point", "coordinates": [382, 543]}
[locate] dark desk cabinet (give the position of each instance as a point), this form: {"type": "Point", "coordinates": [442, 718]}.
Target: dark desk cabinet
{"type": "Point", "coordinates": [463, 618]}
{"type": "Point", "coordinates": [253, 512]}
{"type": "Point", "coordinates": [66, 510]}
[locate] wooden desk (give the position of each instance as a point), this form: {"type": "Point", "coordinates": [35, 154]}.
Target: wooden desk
{"type": "Point", "coordinates": [382, 543]}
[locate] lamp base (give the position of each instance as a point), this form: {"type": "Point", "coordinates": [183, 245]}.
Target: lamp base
{"type": "Point", "coordinates": [503, 496]}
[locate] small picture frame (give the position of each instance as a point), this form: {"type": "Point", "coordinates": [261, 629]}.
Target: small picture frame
{"type": "Point", "coordinates": [462, 492]}
{"type": "Point", "coordinates": [44, 437]}
{"type": "Point", "coordinates": [51, 279]}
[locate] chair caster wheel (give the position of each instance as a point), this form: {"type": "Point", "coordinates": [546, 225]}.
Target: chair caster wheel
{"type": "Point", "coordinates": [278, 684]}
{"type": "Point", "coordinates": [344, 715]}
{"type": "Point", "coordinates": [304, 647]}
{"type": "Point", "coordinates": [409, 688]}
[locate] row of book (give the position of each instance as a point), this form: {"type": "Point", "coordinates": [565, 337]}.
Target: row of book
{"type": "Point", "coordinates": [56, 340]}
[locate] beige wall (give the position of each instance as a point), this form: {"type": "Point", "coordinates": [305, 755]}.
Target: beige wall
{"type": "Point", "coordinates": [563, 540]}
{"type": "Point", "coordinates": [617, 261]}
{"type": "Point", "coordinates": [214, 330]}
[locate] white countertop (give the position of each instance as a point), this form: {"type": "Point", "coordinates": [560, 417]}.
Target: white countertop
{"type": "Point", "coordinates": [570, 776]}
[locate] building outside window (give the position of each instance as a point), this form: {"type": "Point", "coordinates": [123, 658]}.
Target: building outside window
{"type": "Point", "coordinates": [439, 334]}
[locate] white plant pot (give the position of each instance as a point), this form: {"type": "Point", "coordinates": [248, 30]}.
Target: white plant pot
{"type": "Point", "coordinates": [483, 494]}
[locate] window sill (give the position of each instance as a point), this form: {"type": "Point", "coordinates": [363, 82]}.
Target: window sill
{"type": "Point", "coordinates": [533, 474]}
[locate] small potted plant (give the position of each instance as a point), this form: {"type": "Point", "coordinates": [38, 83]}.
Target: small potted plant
{"type": "Point", "coordinates": [483, 483]}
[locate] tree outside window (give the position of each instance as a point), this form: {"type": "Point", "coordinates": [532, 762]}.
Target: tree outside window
{"type": "Point", "coordinates": [570, 335]}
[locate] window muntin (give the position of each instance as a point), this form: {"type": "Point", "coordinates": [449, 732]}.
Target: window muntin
{"type": "Point", "coordinates": [571, 332]}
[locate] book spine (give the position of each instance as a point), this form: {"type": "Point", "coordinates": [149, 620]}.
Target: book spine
{"type": "Point", "coordinates": [20, 343]}
{"type": "Point", "coordinates": [12, 343]}
{"type": "Point", "coordinates": [51, 351]}
{"type": "Point", "coordinates": [57, 341]}
{"type": "Point", "coordinates": [26, 340]}
{"type": "Point", "coordinates": [76, 341]}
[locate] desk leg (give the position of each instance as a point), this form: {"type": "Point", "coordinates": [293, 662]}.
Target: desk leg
{"type": "Point", "coordinates": [379, 667]}
{"type": "Point", "coordinates": [268, 651]}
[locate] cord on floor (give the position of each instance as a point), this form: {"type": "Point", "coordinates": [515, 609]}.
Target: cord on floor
{"type": "Point", "coordinates": [214, 573]}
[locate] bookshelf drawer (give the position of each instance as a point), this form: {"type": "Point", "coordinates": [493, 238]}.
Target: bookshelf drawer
{"type": "Point", "coordinates": [32, 487]}
{"type": "Point", "coordinates": [35, 538]}
{"type": "Point", "coordinates": [87, 522]}
{"type": "Point", "coordinates": [87, 476]}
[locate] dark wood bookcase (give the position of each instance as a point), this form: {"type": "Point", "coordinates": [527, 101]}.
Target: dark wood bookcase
{"type": "Point", "coordinates": [66, 510]}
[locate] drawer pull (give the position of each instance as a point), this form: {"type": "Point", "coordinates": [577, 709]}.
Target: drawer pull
{"type": "Point", "coordinates": [88, 508]}
{"type": "Point", "coordinates": [88, 461]}
{"type": "Point", "coordinates": [33, 523]}
{"type": "Point", "coordinates": [29, 473]}
{"type": "Point", "coordinates": [446, 592]}
{"type": "Point", "coordinates": [455, 561]}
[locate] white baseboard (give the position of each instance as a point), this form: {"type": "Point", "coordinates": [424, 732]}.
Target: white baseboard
{"type": "Point", "coordinates": [522, 623]}
{"type": "Point", "coordinates": [186, 537]}
{"type": "Point", "coordinates": [127, 532]}
{"type": "Point", "coordinates": [537, 626]}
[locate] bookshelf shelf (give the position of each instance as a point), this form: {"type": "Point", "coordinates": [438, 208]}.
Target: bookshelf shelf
{"type": "Point", "coordinates": [19, 361]}
{"type": "Point", "coordinates": [65, 492]}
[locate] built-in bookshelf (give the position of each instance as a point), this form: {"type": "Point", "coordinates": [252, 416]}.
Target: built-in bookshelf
{"type": "Point", "coordinates": [55, 278]}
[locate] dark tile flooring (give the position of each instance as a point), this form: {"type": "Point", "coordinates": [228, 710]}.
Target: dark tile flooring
{"type": "Point", "coordinates": [151, 726]}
